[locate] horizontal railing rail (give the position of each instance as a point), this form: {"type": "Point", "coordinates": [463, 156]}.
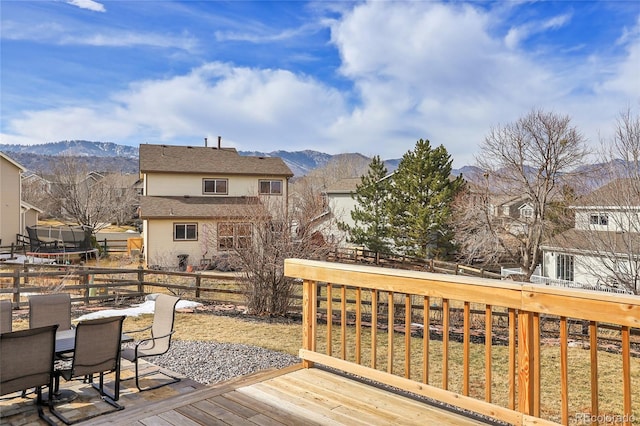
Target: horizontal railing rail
{"type": "Point", "coordinates": [508, 371]}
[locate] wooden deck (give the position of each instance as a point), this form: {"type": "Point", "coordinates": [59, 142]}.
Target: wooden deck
{"type": "Point", "coordinates": [292, 396]}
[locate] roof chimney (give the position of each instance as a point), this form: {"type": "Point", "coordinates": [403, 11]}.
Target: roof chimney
{"type": "Point", "coordinates": [219, 142]}
{"type": "Point", "coordinates": [205, 142]}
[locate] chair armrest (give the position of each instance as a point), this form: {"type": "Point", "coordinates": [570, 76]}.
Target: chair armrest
{"type": "Point", "coordinates": [154, 338]}
{"type": "Point", "coordinates": [136, 331]}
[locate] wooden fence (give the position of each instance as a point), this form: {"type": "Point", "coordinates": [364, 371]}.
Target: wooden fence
{"type": "Point", "coordinates": [524, 381]}
{"type": "Point", "coordinates": [362, 256]}
{"type": "Point", "coordinates": [99, 284]}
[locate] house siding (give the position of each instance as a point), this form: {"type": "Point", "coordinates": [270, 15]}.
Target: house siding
{"type": "Point", "coordinates": [164, 184]}
{"type": "Point", "coordinates": [10, 194]}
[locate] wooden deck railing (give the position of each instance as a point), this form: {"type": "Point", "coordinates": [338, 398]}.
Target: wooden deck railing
{"type": "Point", "coordinates": [500, 349]}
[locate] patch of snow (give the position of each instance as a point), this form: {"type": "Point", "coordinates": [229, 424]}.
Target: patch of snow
{"type": "Point", "coordinates": [148, 307]}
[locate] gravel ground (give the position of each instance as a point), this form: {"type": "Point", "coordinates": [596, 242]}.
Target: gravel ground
{"type": "Point", "coordinates": [211, 362]}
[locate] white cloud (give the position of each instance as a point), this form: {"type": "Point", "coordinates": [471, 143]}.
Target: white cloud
{"type": "Point", "coordinates": [55, 33]}
{"type": "Point", "coordinates": [128, 39]}
{"type": "Point", "coordinates": [258, 109]}
{"type": "Point", "coordinates": [88, 4]}
{"type": "Point", "coordinates": [418, 69]}
{"type": "Point", "coordinates": [517, 34]}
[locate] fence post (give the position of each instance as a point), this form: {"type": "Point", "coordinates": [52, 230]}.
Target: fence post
{"type": "Point", "coordinates": [85, 282]}
{"type": "Point", "coordinates": [26, 272]}
{"type": "Point", "coordinates": [198, 281]}
{"type": "Point", "coordinates": [16, 287]}
{"type": "Point", "coordinates": [140, 280]}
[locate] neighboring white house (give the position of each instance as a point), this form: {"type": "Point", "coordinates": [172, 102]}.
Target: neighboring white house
{"type": "Point", "coordinates": [200, 201]}
{"type": "Point", "coordinates": [603, 248]}
{"type": "Point", "coordinates": [339, 203]}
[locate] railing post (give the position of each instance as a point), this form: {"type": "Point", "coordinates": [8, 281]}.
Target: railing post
{"type": "Point", "coordinates": [526, 362]}
{"type": "Point", "coordinates": [309, 318]}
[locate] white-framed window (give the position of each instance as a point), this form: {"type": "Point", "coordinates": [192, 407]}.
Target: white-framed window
{"type": "Point", "coordinates": [234, 235]}
{"type": "Point", "coordinates": [270, 187]}
{"type": "Point", "coordinates": [564, 267]}
{"type": "Point", "coordinates": [215, 186]}
{"type": "Point", "coordinates": [598, 219]}
{"type": "Point", "coordinates": [185, 231]}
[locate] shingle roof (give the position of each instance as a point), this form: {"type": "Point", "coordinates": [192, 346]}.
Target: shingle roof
{"type": "Point", "coordinates": [188, 159]}
{"type": "Point", "coordinates": [344, 186]}
{"type": "Point", "coordinates": [594, 241]}
{"type": "Point", "coordinates": [199, 207]}
{"type": "Point", "coordinates": [622, 192]}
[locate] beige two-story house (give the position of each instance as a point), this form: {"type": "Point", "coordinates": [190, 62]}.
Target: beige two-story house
{"type": "Point", "coordinates": [10, 198]}
{"type": "Point", "coordinates": [15, 214]}
{"type": "Point", "coordinates": [201, 202]}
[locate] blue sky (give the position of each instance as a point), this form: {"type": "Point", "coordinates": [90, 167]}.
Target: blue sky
{"type": "Point", "coordinates": [369, 77]}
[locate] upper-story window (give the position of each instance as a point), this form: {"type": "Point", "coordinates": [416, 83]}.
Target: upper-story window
{"type": "Point", "coordinates": [270, 187]}
{"type": "Point", "coordinates": [598, 219]}
{"type": "Point", "coordinates": [185, 231]}
{"type": "Point", "coordinates": [215, 186]}
{"type": "Point", "coordinates": [526, 212]}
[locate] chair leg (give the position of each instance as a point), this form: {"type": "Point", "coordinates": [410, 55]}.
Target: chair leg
{"type": "Point", "coordinates": [109, 399]}
{"type": "Point", "coordinates": [172, 380]}
{"type": "Point", "coordinates": [39, 405]}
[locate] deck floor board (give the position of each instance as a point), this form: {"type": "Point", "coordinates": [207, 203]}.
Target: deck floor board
{"type": "Point", "coordinates": [293, 397]}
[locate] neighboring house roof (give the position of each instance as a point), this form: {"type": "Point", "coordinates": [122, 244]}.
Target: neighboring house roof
{"type": "Point", "coordinates": [27, 206]}
{"type": "Point", "coordinates": [622, 192]}
{"type": "Point", "coordinates": [344, 186]}
{"type": "Point", "coordinates": [219, 161]}
{"type": "Point", "coordinates": [12, 161]}
{"type": "Point", "coordinates": [578, 240]}
{"type": "Point", "coordinates": [181, 207]}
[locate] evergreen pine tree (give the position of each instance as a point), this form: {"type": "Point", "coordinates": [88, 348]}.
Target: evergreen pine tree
{"type": "Point", "coordinates": [420, 202]}
{"type": "Point", "coordinates": [371, 223]}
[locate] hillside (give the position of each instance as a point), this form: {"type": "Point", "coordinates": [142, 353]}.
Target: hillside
{"type": "Point", "coordinates": [108, 156]}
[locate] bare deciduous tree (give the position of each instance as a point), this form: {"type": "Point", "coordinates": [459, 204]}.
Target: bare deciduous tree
{"type": "Point", "coordinates": [615, 247]}
{"type": "Point", "coordinates": [526, 159]}
{"type": "Point", "coordinates": [93, 201]}
{"type": "Point", "coordinates": [275, 236]}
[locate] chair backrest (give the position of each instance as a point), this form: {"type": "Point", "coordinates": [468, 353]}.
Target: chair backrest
{"type": "Point", "coordinates": [6, 316]}
{"type": "Point", "coordinates": [163, 319]}
{"type": "Point", "coordinates": [26, 358]}
{"type": "Point", "coordinates": [97, 346]}
{"type": "Point", "coordinates": [34, 241]}
{"type": "Point", "coordinates": [47, 309]}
